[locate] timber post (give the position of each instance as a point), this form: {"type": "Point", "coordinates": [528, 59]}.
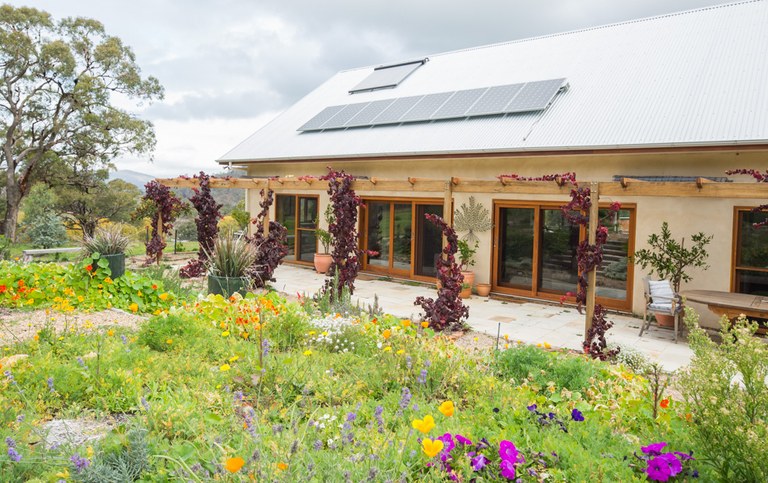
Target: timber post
{"type": "Point", "coordinates": [592, 226]}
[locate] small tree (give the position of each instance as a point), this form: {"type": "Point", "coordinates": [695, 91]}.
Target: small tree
{"type": "Point", "coordinates": [669, 259]}
{"type": "Point", "coordinates": [448, 310]}
{"type": "Point", "coordinates": [162, 207]}
{"type": "Point", "coordinates": [208, 216]}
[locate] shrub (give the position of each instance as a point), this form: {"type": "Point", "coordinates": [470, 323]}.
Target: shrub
{"type": "Point", "coordinates": [529, 362]}
{"type": "Point", "coordinates": [726, 389]}
{"type": "Point", "coordinates": [232, 256]}
{"type": "Point", "coordinates": [47, 231]}
{"type": "Point", "coordinates": [162, 332]}
{"type": "Point", "coordinates": [106, 241]}
{"type": "Point", "coordinates": [288, 331]}
{"type": "Point", "coordinates": [126, 460]}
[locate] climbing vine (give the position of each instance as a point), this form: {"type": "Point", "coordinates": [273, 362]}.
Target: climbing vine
{"type": "Point", "coordinates": [207, 220]}
{"type": "Point", "coordinates": [270, 248]}
{"type": "Point", "coordinates": [760, 178]}
{"type": "Point", "coordinates": [162, 207]}
{"type": "Point", "coordinates": [447, 311]}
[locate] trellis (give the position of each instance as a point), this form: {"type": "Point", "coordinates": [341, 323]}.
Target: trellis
{"type": "Point", "coordinates": [626, 187]}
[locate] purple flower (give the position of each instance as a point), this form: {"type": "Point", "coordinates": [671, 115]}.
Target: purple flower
{"type": "Point", "coordinates": [507, 469]}
{"type": "Point", "coordinates": [408, 362]}
{"type": "Point", "coordinates": [461, 439]}
{"type": "Point", "coordinates": [576, 415]}
{"type": "Point", "coordinates": [675, 466]}
{"type": "Point", "coordinates": [145, 403]}
{"type": "Point", "coordinates": [448, 443]}
{"type": "Point", "coordinates": [379, 420]}
{"type": "Point", "coordinates": [551, 415]}
{"type": "Point", "coordinates": [683, 456]}
{"type": "Point", "coordinates": [265, 347]}
{"type": "Point", "coordinates": [405, 399]}
{"type": "Point", "coordinates": [79, 462]}
{"type": "Point", "coordinates": [50, 384]}
{"type": "Point", "coordinates": [658, 469]}
{"type": "Point", "coordinates": [422, 379]}
{"type": "Point", "coordinates": [10, 442]}
{"type": "Point", "coordinates": [124, 339]}
{"type": "Point", "coordinates": [20, 418]}
{"type": "Point", "coordinates": [479, 462]}
{"type": "Point", "coordinates": [14, 455]}
{"type": "Point", "coordinates": [81, 362]}
{"type": "Point", "coordinates": [509, 452]}
{"type": "Point", "coordinates": [238, 395]}
{"type": "Point", "coordinates": [532, 407]}
{"type": "Point", "coordinates": [654, 449]}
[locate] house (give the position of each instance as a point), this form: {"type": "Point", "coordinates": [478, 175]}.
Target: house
{"type": "Point", "coordinates": [656, 110]}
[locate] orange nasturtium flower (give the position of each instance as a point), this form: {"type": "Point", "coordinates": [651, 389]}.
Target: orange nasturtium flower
{"type": "Point", "coordinates": [406, 323]}
{"type": "Point", "coordinates": [282, 466]}
{"type": "Point", "coordinates": [432, 447]}
{"type": "Point", "coordinates": [134, 307]}
{"type": "Point", "coordinates": [88, 268]}
{"type": "Point", "coordinates": [447, 408]}
{"type": "Point", "coordinates": [425, 324]}
{"type": "Point", "coordinates": [233, 465]}
{"type": "Point", "coordinates": [664, 403]}
{"type": "Point", "coordinates": [386, 334]}
{"type": "Point", "coordinates": [424, 425]}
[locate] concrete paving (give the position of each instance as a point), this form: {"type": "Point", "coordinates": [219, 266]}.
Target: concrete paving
{"type": "Point", "coordinates": [522, 320]}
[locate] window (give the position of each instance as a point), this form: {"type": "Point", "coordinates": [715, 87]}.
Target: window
{"type": "Point", "coordinates": [298, 214]}
{"type": "Point", "coordinates": [535, 252]}
{"type": "Point", "coordinates": [387, 76]}
{"type": "Point", "coordinates": [750, 267]}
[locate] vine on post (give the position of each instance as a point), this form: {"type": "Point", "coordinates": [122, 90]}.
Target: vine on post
{"type": "Point", "coordinates": [346, 252]}
{"type": "Point", "coordinates": [448, 310]}
{"type": "Point", "coordinates": [270, 249]}
{"type": "Point", "coordinates": [760, 178]}
{"type": "Point", "coordinates": [207, 220]}
{"type": "Point", "coordinates": [162, 207]}
{"type": "Point", "coordinates": [589, 257]}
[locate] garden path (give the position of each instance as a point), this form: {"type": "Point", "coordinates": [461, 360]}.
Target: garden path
{"type": "Point", "coordinates": [530, 322]}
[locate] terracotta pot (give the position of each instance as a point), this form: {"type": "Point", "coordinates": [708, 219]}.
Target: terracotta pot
{"type": "Point", "coordinates": [665, 320]}
{"type": "Point", "coordinates": [323, 262]}
{"type": "Point", "coordinates": [469, 278]}
{"type": "Point", "coordinates": [483, 289]}
{"type": "Point", "coordinates": [466, 292]}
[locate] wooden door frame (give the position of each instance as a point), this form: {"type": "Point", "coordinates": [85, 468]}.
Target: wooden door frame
{"type": "Point", "coordinates": [296, 228]}
{"type": "Point", "coordinates": [737, 210]}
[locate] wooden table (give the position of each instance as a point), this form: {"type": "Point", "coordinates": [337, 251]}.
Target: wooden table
{"type": "Point", "coordinates": [730, 304]}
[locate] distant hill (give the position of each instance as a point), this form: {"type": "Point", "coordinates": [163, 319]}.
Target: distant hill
{"type": "Point", "coordinates": [135, 178]}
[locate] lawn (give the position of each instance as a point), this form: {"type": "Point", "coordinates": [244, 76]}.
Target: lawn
{"type": "Point", "coordinates": [262, 388]}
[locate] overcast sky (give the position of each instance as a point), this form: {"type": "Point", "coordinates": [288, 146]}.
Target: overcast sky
{"type": "Point", "coordinates": [230, 66]}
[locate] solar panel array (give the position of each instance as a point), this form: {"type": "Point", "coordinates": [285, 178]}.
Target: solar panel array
{"type": "Point", "coordinates": [387, 76]}
{"type": "Point", "coordinates": [486, 101]}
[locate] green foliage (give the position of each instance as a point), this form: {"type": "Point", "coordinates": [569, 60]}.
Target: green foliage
{"type": "Point", "coordinates": [232, 256]}
{"type": "Point", "coordinates": [726, 389]}
{"type": "Point", "coordinates": [473, 218]}
{"type": "Point", "coordinates": [240, 215]}
{"type": "Point", "coordinates": [324, 236]}
{"type": "Point", "coordinates": [46, 231]}
{"type": "Point", "coordinates": [125, 461]}
{"type": "Point", "coordinates": [108, 240]}
{"type": "Point", "coordinates": [161, 332]}
{"type": "Point", "coordinates": [467, 254]}
{"type": "Point", "coordinates": [669, 259]}
{"type": "Point", "coordinates": [543, 368]}
{"type": "Point", "coordinates": [289, 331]}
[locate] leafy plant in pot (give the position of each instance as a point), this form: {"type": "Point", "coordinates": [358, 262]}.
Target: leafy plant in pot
{"type": "Point", "coordinates": [324, 259]}
{"type": "Point", "coordinates": [228, 265]}
{"type": "Point", "coordinates": [466, 260]}
{"type": "Point", "coordinates": [670, 260]}
{"type": "Point", "coordinates": [108, 243]}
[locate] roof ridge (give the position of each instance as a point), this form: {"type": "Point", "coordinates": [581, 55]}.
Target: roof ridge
{"type": "Point", "coordinates": [598, 27]}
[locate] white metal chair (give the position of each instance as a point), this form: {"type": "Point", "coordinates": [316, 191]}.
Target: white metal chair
{"type": "Point", "coordinates": [660, 298]}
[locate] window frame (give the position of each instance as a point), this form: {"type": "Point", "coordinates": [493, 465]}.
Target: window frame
{"type": "Point", "coordinates": [735, 252]}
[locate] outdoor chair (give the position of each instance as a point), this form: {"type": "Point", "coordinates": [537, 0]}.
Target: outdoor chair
{"type": "Point", "coordinates": [661, 299]}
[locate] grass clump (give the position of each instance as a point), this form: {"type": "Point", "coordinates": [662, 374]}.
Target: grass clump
{"type": "Point", "coordinates": [526, 362]}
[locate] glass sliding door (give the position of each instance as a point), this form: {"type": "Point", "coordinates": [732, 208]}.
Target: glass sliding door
{"type": "Point", "coordinates": [612, 276]}
{"type": "Point", "coordinates": [429, 241]}
{"type": "Point", "coordinates": [298, 214]}
{"type": "Point", "coordinates": [401, 236]}
{"type": "Point", "coordinates": [378, 233]}
{"type": "Point", "coordinates": [515, 254]}
{"type": "Point", "coordinates": [558, 240]}
{"type": "Point", "coordinates": [750, 270]}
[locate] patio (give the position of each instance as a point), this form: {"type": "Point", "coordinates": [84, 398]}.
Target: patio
{"type": "Point", "coordinates": [521, 320]}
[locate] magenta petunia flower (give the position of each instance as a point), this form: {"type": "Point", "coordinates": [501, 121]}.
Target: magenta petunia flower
{"type": "Point", "coordinates": [654, 449]}
{"type": "Point", "coordinates": [675, 466]}
{"type": "Point", "coordinates": [509, 452]}
{"type": "Point", "coordinates": [507, 469]}
{"type": "Point", "coordinates": [658, 469]}
{"type": "Point", "coordinates": [461, 439]}
{"type": "Point", "coordinates": [448, 443]}
{"type": "Point", "coordinates": [479, 462]}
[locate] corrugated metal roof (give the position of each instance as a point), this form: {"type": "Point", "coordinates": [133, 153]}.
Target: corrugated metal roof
{"type": "Point", "coordinates": [694, 78]}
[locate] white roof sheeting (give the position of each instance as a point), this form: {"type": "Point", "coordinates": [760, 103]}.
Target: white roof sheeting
{"type": "Point", "coordinates": [694, 78]}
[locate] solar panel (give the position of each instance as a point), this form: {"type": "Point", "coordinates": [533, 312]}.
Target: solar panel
{"type": "Point", "coordinates": [366, 116]}
{"type": "Point", "coordinates": [494, 100]}
{"type": "Point", "coordinates": [387, 76]}
{"type": "Point", "coordinates": [320, 119]}
{"type": "Point", "coordinates": [535, 96]}
{"type": "Point", "coordinates": [395, 111]}
{"type": "Point", "coordinates": [426, 107]}
{"type": "Point", "coordinates": [458, 104]}
{"type": "Point", "coordinates": [349, 111]}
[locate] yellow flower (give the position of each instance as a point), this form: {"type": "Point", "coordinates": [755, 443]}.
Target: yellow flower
{"type": "Point", "coordinates": [388, 349]}
{"type": "Point", "coordinates": [406, 323]}
{"type": "Point", "coordinates": [110, 333]}
{"type": "Point", "coordinates": [224, 367]}
{"type": "Point", "coordinates": [307, 352]}
{"type": "Point", "coordinates": [169, 341]}
{"type": "Point", "coordinates": [234, 358]}
{"type": "Point", "coordinates": [63, 474]}
{"type": "Point", "coordinates": [282, 466]}
{"type": "Point", "coordinates": [432, 447]}
{"type": "Point", "coordinates": [447, 408]}
{"type": "Point", "coordinates": [139, 293]}
{"type": "Point", "coordinates": [401, 351]}
{"type": "Point", "coordinates": [425, 324]}
{"type": "Point", "coordinates": [134, 307]}
{"type": "Point", "coordinates": [225, 333]}
{"type": "Point", "coordinates": [108, 280]}
{"type": "Point", "coordinates": [547, 345]}
{"type": "Point", "coordinates": [233, 465]}
{"type": "Point", "coordinates": [424, 425]}
{"type": "Point", "coordinates": [89, 451]}
{"type": "Point", "coordinates": [386, 334]}
{"type": "Point", "coordinates": [163, 296]}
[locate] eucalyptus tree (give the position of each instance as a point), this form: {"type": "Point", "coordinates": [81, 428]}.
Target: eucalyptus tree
{"type": "Point", "coordinates": [62, 82]}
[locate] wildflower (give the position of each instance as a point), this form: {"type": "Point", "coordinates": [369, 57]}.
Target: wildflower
{"type": "Point", "coordinates": [507, 469]}
{"type": "Point", "coordinates": [479, 462]}
{"type": "Point", "coordinates": [265, 348]}
{"type": "Point", "coordinates": [234, 358]}
{"type": "Point", "coordinates": [424, 425]}
{"type": "Point", "coordinates": [225, 333]}
{"type": "Point", "coordinates": [224, 367]}
{"type": "Point", "coordinates": [422, 379]}
{"type": "Point", "coordinates": [163, 296]}
{"type": "Point", "coordinates": [425, 324]}
{"type": "Point", "coordinates": [14, 455]}
{"type": "Point", "coordinates": [386, 334]}
{"type": "Point", "coordinates": [405, 398]}
{"type": "Point", "coordinates": [463, 440]}
{"type": "Point", "coordinates": [89, 268]}
{"type": "Point", "coordinates": [134, 307]}
{"type": "Point", "coordinates": [145, 403]}
{"type": "Point", "coordinates": [532, 407]}
{"type": "Point", "coordinates": [388, 349]}
{"type": "Point", "coordinates": [108, 280]}
{"type": "Point", "coordinates": [79, 462]}
{"type": "Point", "coordinates": [233, 465]}
{"type": "Point", "coordinates": [400, 352]}
{"type": "Point", "coordinates": [432, 447]}
{"type": "Point", "coordinates": [547, 345]}
{"type": "Point", "coordinates": [408, 362]}
{"type": "Point", "coordinates": [447, 408]}
{"type": "Point", "coordinates": [81, 362]}
{"type": "Point", "coordinates": [379, 420]}
{"type": "Point", "coordinates": [3, 289]}
{"type": "Point", "coordinates": [576, 415]}
{"type": "Point", "coordinates": [406, 323]}
{"type": "Point", "coordinates": [307, 352]}
{"type": "Point", "coordinates": [664, 404]}
{"type": "Point", "coordinates": [282, 466]}
{"type": "Point", "coordinates": [169, 341]}
{"type": "Point", "coordinates": [447, 440]}
{"type": "Point", "coordinates": [50, 384]}
{"type": "Point", "coordinates": [508, 451]}
{"type": "Point", "coordinates": [653, 449]}
{"type": "Point", "coordinates": [658, 469]}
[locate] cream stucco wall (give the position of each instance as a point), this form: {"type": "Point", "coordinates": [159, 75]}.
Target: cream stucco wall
{"type": "Point", "coordinates": [685, 216]}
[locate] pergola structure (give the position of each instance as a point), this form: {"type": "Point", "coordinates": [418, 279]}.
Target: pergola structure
{"type": "Point", "coordinates": [700, 188]}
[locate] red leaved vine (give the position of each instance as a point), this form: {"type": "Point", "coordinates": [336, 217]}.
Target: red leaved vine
{"type": "Point", "coordinates": [270, 249]}
{"type": "Point", "coordinates": [159, 203]}
{"type": "Point", "coordinates": [207, 222]}
{"type": "Point", "coordinates": [448, 310]}
{"type": "Point", "coordinates": [760, 178]}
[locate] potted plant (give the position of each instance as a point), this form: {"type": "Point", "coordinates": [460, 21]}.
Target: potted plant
{"type": "Point", "coordinates": [324, 259]}
{"type": "Point", "coordinates": [483, 289]}
{"type": "Point", "coordinates": [466, 260]}
{"type": "Point", "coordinates": [669, 259]}
{"type": "Point", "coordinates": [228, 265]}
{"type": "Point", "coordinates": [108, 243]}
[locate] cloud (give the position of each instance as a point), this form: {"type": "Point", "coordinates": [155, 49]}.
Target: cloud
{"type": "Point", "coordinates": [204, 106]}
